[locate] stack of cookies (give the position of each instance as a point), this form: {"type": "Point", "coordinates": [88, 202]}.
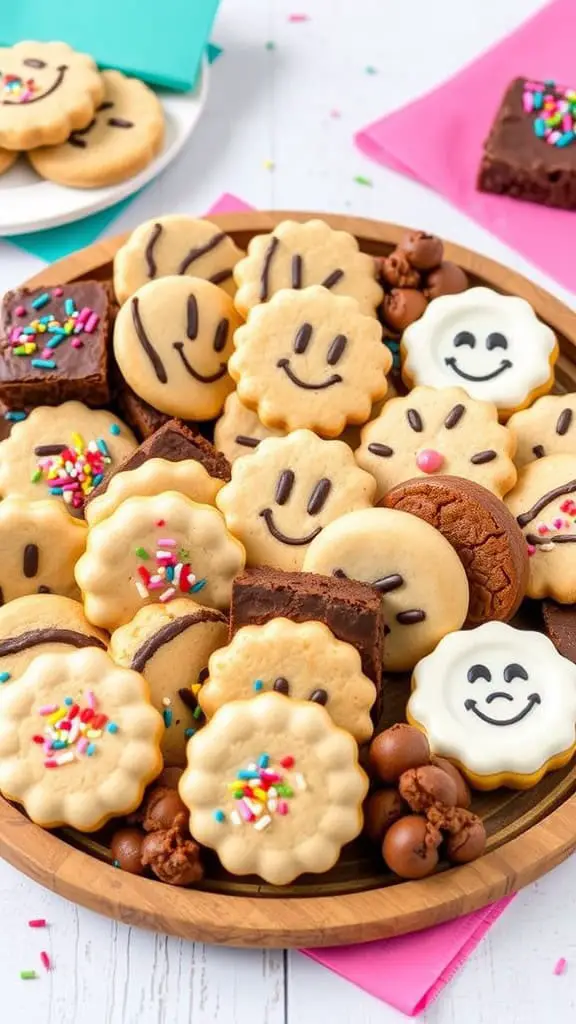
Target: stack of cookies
{"type": "Point", "coordinates": [225, 536]}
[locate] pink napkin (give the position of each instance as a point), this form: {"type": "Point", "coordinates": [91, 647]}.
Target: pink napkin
{"type": "Point", "coordinates": [438, 139]}
{"type": "Point", "coordinates": [227, 203]}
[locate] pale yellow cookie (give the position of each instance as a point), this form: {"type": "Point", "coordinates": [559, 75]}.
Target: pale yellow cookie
{"type": "Point", "coordinates": [93, 770]}
{"type": "Point", "coordinates": [303, 660]}
{"type": "Point", "coordinates": [123, 137]}
{"type": "Point", "coordinates": [417, 571]}
{"type": "Point", "coordinates": [39, 546]}
{"type": "Point", "coordinates": [153, 477]}
{"type": "Point", "coordinates": [547, 428]}
{"type": "Point", "coordinates": [544, 503]}
{"type": "Point", "coordinates": [170, 644]}
{"type": "Point", "coordinates": [175, 244]}
{"type": "Point", "coordinates": [42, 624]}
{"type": "Point", "coordinates": [297, 747]}
{"type": "Point", "coordinates": [438, 430]}
{"type": "Point", "coordinates": [282, 496]}
{"type": "Point", "coordinates": [310, 359]}
{"type": "Point", "coordinates": [238, 431]}
{"type": "Point", "coordinates": [47, 90]}
{"type": "Point", "coordinates": [297, 255]}
{"type": "Point", "coordinates": [7, 159]}
{"type": "Point", "coordinates": [172, 341]}
{"type": "Point", "coordinates": [34, 457]}
{"type": "Point", "coordinates": [132, 556]}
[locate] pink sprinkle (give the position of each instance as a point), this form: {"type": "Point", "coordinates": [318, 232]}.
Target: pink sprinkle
{"type": "Point", "coordinates": [57, 292]}
{"type": "Point", "coordinates": [68, 487]}
{"type": "Point", "coordinates": [298, 17]}
{"type": "Point", "coordinates": [83, 315]}
{"type": "Point", "coordinates": [92, 323]}
{"type": "Point", "coordinates": [553, 138]}
{"type": "Point", "coordinates": [567, 123]}
{"type": "Point", "coordinates": [156, 585]}
{"type": "Point", "coordinates": [15, 334]}
{"type": "Point", "coordinates": [335, 113]}
{"type": "Point", "coordinates": [245, 810]}
{"type": "Point", "coordinates": [531, 550]}
{"type": "Point", "coordinates": [166, 542]}
{"type": "Point", "coordinates": [167, 595]}
{"type": "Point", "coordinates": [20, 311]}
{"type": "Point", "coordinates": [48, 709]}
{"type": "Point", "coordinates": [45, 960]}
{"type": "Point", "coordinates": [37, 922]}
{"type": "Point", "coordinates": [528, 102]}
{"type": "Point", "coordinates": [50, 763]}
{"type": "Point", "coordinates": [270, 776]}
{"type": "Point", "coordinates": [76, 343]}
{"type": "Point", "coordinates": [560, 966]}
{"type": "Point", "coordinates": [557, 524]}
{"type": "Point", "coordinates": [81, 745]}
{"type": "Point", "coordinates": [542, 529]}
{"type": "Point", "coordinates": [282, 807]}
{"type": "Point", "coordinates": [46, 353]}
{"type": "Point", "coordinates": [91, 699]}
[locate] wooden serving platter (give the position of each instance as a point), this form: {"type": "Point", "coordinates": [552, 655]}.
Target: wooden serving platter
{"type": "Point", "coordinates": [529, 832]}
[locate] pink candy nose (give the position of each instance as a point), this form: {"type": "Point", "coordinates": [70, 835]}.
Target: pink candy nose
{"type": "Point", "coordinates": [429, 461]}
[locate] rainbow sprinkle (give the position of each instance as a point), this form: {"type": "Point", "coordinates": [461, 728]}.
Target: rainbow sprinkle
{"type": "Point", "coordinates": [70, 731]}
{"type": "Point", "coordinates": [262, 790]}
{"type": "Point", "coordinates": [40, 337]}
{"type": "Point", "coordinates": [75, 470]}
{"type": "Point", "coordinates": [171, 574]}
{"type": "Point", "coordinates": [16, 89]}
{"type": "Point", "coordinates": [555, 107]}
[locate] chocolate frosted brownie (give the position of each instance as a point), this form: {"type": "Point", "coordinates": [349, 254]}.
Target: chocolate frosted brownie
{"type": "Point", "coordinates": [530, 152]}
{"type": "Point", "coordinates": [352, 611]}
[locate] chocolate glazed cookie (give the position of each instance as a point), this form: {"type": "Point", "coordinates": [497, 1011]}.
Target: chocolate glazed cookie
{"type": "Point", "coordinates": [481, 530]}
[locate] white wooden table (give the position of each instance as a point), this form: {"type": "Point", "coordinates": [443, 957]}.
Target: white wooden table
{"type": "Point", "coordinates": [275, 105]}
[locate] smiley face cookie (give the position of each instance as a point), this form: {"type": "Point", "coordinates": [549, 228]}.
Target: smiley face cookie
{"type": "Point", "coordinates": [544, 505]}
{"type": "Point", "coordinates": [170, 644]}
{"type": "Point", "coordinates": [62, 452]}
{"type": "Point", "coordinates": [305, 784]}
{"type": "Point", "coordinates": [492, 345]}
{"type": "Point", "coordinates": [282, 496]}
{"type": "Point", "coordinates": [39, 546]}
{"type": "Point", "coordinates": [47, 90]}
{"type": "Point", "coordinates": [172, 245]}
{"type": "Point", "coordinates": [418, 573]}
{"type": "Point", "coordinates": [299, 255]}
{"type": "Point", "coordinates": [310, 359]}
{"type": "Point", "coordinates": [499, 702]}
{"type": "Point", "coordinates": [154, 549]}
{"type": "Point", "coordinates": [437, 431]}
{"type": "Point", "coordinates": [123, 137]}
{"type": "Point", "coordinates": [238, 431]}
{"type": "Point", "coordinates": [547, 428]}
{"type": "Point", "coordinates": [79, 741]}
{"type": "Point", "coordinates": [154, 477]}
{"type": "Point", "coordinates": [172, 341]}
{"type": "Point", "coordinates": [302, 660]}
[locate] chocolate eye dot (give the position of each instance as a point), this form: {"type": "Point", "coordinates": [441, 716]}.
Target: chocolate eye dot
{"type": "Point", "coordinates": [284, 486]}
{"type": "Point", "coordinates": [464, 338]}
{"type": "Point", "coordinates": [32, 62]}
{"type": "Point", "coordinates": [496, 340]}
{"type": "Point", "coordinates": [221, 335]}
{"type": "Point", "coordinates": [282, 685]}
{"type": "Point", "coordinates": [302, 339]}
{"type": "Point", "coordinates": [318, 697]}
{"type": "Point", "coordinates": [319, 496]}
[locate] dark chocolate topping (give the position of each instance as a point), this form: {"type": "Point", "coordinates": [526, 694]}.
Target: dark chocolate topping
{"type": "Point", "coordinates": [268, 255]}
{"type": "Point", "coordinates": [221, 335]}
{"type": "Point", "coordinates": [411, 617]}
{"type": "Point", "coordinates": [332, 279]}
{"type": "Point", "coordinates": [383, 450]}
{"type": "Point", "coordinates": [564, 421]}
{"type": "Point", "coordinates": [454, 416]}
{"type": "Point", "coordinates": [36, 99]}
{"type": "Point", "coordinates": [268, 518]}
{"type": "Point", "coordinates": [481, 457]}
{"type": "Point", "coordinates": [303, 335]}
{"type": "Point", "coordinates": [221, 275]}
{"type": "Point", "coordinates": [35, 637]}
{"type": "Point", "coordinates": [144, 340]}
{"type": "Point", "coordinates": [557, 492]}
{"type": "Point", "coordinates": [284, 486]}
{"type": "Point", "coordinates": [247, 442]}
{"type": "Point", "coordinates": [319, 496]}
{"type": "Point", "coordinates": [389, 583]}
{"type": "Point", "coordinates": [169, 632]}
{"type": "Point", "coordinates": [187, 697]}
{"type": "Point", "coordinates": [562, 538]}
{"type": "Point", "coordinates": [538, 451]}
{"type": "Point", "coordinates": [319, 697]}
{"type": "Point", "coordinates": [192, 317]}
{"type": "Point", "coordinates": [284, 364]}
{"type": "Point", "coordinates": [514, 671]}
{"type": "Point", "coordinates": [415, 420]}
{"type": "Point", "coordinates": [49, 449]}
{"type": "Point", "coordinates": [336, 349]}
{"type": "Point", "coordinates": [120, 122]}
{"type": "Point", "coordinates": [296, 271]}
{"type": "Point", "coordinates": [199, 251]}
{"type": "Point", "coordinates": [281, 685]}
{"type": "Point", "coordinates": [31, 558]}
{"type": "Point", "coordinates": [209, 378]}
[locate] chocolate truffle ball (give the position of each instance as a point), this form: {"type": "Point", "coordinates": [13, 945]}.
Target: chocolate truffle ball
{"type": "Point", "coordinates": [463, 794]}
{"type": "Point", "coordinates": [396, 750]}
{"type": "Point", "coordinates": [126, 848]}
{"type": "Point", "coordinates": [423, 251]}
{"type": "Point", "coordinates": [447, 279]}
{"type": "Point", "coordinates": [381, 810]}
{"type": "Point", "coordinates": [163, 808]}
{"type": "Point", "coordinates": [173, 858]}
{"type": "Point", "coordinates": [410, 847]}
{"type": "Point", "coordinates": [402, 306]}
{"type": "Point", "coordinates": [396, 271]}
{"type": "Point", "coordinates": [467, 844]}
{"type": "Point", "coordinates": [421, 788]}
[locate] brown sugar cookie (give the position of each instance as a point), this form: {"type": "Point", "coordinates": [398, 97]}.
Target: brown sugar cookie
{"type": "Point", "coordinates": [484, 534]}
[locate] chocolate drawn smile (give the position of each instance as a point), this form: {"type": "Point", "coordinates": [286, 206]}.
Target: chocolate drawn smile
{"type": "Point", "coordinates": [471, 705]}
{"type": "Point", "coordinates": [268, 517]}
{"type": "Point", "coordinates": [55, 85]}
{"type": "Point", "coordinates": [210, 378]}
{"type": "Point", "coordinates": [284, 364]}
{"type": "Point", "coordinates": [504, 365]}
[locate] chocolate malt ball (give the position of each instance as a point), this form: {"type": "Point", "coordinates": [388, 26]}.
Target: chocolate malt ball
{"type": "Point", "coordinates": [410, 847]}
{"type": "Point", "coordinates": [396, 271]}
{"type": "Point", "coordinates": [172, 857]}
{"type": "Point", "coordinates": [396, 750]}
{"type": "Point", "coordinates": [423, 251]}
{"type": "Point", "coordinates": [402, 306]}
{"type": "Point", "coordinates": [468, 843]}
{"type": "Point", "coordinates": [381, 810]}
{"type": "Point", "coordinates": [424, 787]}
{"type": "Point", "coordinates": [447, 279]}
{"type": "Point", "coordinates": [463, 794]}
{"type": "Point", "coordinates": [126, 848]}
{"type": "Point", "coordinates": [163, 808]}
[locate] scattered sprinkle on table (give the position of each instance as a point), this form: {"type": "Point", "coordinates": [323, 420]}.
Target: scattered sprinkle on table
{"type": "Point", "coordinates": [28, 975]}
{"type": "Point", "coordinates": [298, 17]}
{"type": "Point", "coordinates": [560, 966]}
{"type": "Point", "coordinates": [269, 165]}
{"type": "Point", "coordinates": [37, 922]}
{"type": "Point", "coordinates": [45, 960]}
{"type": "Point", "coordinates": [371, 70]}
{"type": "Point", "coordinates": [270, 45]}
{"type": "Point", "coordinates": [361, 180]}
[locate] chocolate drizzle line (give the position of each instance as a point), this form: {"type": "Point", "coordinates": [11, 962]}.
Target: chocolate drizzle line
{"type": "Point", "coordinates": [411, 617]}
{"type": "Point", "coordinates": [169, 632]}
{"type": "Point", "coordinates": [415, 420]}
{"type": "Point", "coordinates": [564, 421]}
{"type": "Point", "coordinates": [481, 457]}
{"type": "Point", "coordinates": [147, 345]}
{"type": "Point", "coordinates": [107, 105]}
{"type": "Point", "coordinates": [538, 451]}
{"type": "Point", "coordinates": [454, 416]}
{"type": "Point", "coordinates": [31, 558]}
{"type": "Point", "coordinates": [120, 122]}
{"type": "Point", "coordinates": [191, 318]}
{"type": "Point", "coordinates": [296, 271]}
{"type": "Point", "coordinates": [563, 538]}
{"type": "Point", "coordinates": [332, 279]}
{"type": "Point", "coordinates": [268, 255]}
{"type": "Point", "coordinates": [201, 250]}
{"type": "Point", "coordinates": [247, 442]}
{"type": "Point", "coordinates": [149, 250]}
{"type": "Point", "coordinates": [49, 449]}
{"type": "Point", "coordinates": [380, 449]}
{"type": "Point", "coordinates": [281, 685]}
{"type": "Point", "coordinates": [389, 583]}
{"type": "Point", "coordinates": [43, 589]}
{"type": "Point", "coordinates": [319, 496]}
{"type": "Point", "coordinates": [557, 492]}
{"type": "Point", "coordinates": [319, 697]}
{"type": "Point", "coordinates": [35, 637]}
{"type": "Point", "coordinates": [221, 275]}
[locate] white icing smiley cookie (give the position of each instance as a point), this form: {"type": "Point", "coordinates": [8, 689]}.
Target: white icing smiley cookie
{"type": "Point", "coordinates": [492, 345]}
{"type": "Point", "coordinates": [47, 90]}
{"type": "Point", "coordinates": [500, 702]}
{"type": "Point", "coordinates": [437, 430]}
{"type": "Point", "coordinates": [547, 428]}
{"type": "Point", "coordinates": [282, 496]}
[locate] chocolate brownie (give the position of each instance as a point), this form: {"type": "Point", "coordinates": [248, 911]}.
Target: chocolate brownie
{"type": "Point", "coordinates": [560, 627]}
{"type": "Point", "coordinates": [352, 611]}
{"type": "Point", "coordinates": [143, 418]}
{"type": "Point", "coordinates": [530, 152]}
{"type": "Point", "coordinates": [54, 345]}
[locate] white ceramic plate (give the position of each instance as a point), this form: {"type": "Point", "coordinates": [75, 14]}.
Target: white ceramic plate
{"type": "Point", "coordinates": [28, 203]}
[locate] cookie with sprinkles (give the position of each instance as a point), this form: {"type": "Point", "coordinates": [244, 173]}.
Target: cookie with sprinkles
{"type": "Point", "coordinates": [54, 345]}
{"type": "Point", "coordinates": [79, 740]}
{"type": "Point", "coordinates": [274, 787]}
{"type": "Point", "coordinates": [170, 644]}
{"type": "Point", "coordinates": [547, 428]}
{"type": "Point", "coordinates": [62, 452]}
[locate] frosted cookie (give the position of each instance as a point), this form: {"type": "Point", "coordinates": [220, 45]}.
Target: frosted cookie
{"type": "Point", "coordinates": [310, 359]}
{"type": "Point", "coordinates": [282, 496]}
{"type": "Point", "coordinates": [298, 255]}
{"type": "Point", "coordinates": [303, 660]}
{"type": "Point", "coordinates": [123, 137]}
{"type": "Point", "coordinates": [47, 90]}
{"type": "Point", "coordinates": [274, 787]}
{"type": "Point", "coordinates": [79, 741]}
{"type": "Point", "coordinates": [544, 504]}
{"type": "Point", "coordinates": [492, 345]}
{"type": "Point", "coordinates": [152, 478]}
{"type": "Point", "coordinates": [62, 452]}
{"type": "Point", "coordinates": [39, 546]}
{"type": "Point", "coordinates": [7, 159]}
{"type": "Point", "coordinates": [437, 431]}
{"type": "Point", "coordinates": [172, 341]}
{"type": "Point", "coordinates": [42, 624]}
{"type": "Point", "coordinates": [498, 702]}
{"type": "Point", "coordinates": [170, 644]}
{"type": "Point", "coordinates": [415, 569]}
{"type": "Point", "coordinates": [238, 431]}
{"type": "Point", "coordinates": [155, 549]}
{"type": "Point", "coordinates": [547, 428]}
{"type": "Point", "coordinates": [171, 245]}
